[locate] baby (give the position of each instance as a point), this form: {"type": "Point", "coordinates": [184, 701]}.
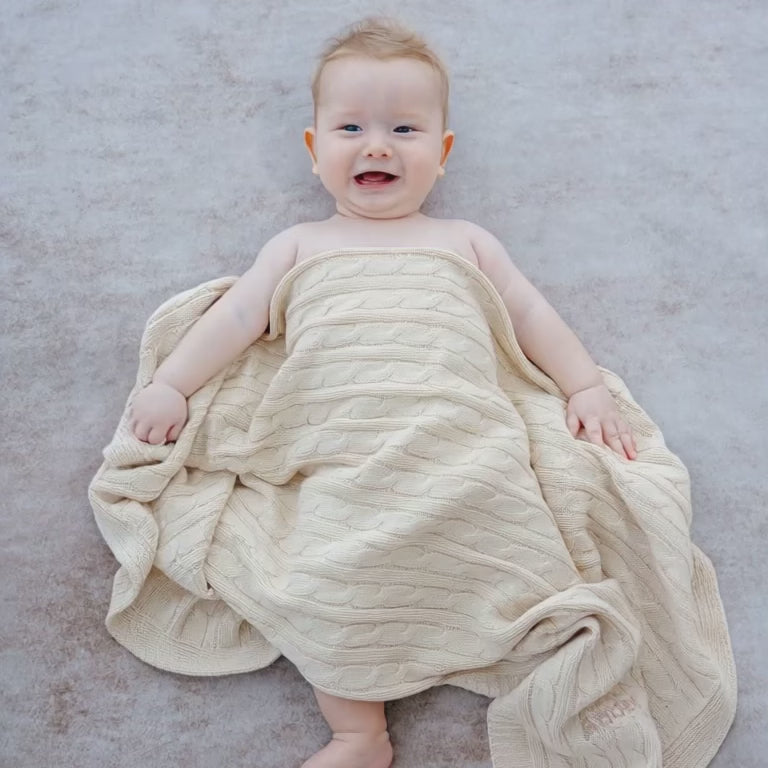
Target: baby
{"type": "Point", "coordinates": [379, 143]}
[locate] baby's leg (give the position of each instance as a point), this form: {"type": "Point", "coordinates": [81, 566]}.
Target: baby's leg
{"type": "Point", "coordinates": [360, 737]}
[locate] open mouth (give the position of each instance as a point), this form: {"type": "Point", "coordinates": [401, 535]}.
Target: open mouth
{"type": "Point", "coordinates": [374, 178]}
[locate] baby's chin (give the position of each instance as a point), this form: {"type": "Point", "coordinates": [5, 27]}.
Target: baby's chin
{"type": "Point", "coordinates": [378, 209]}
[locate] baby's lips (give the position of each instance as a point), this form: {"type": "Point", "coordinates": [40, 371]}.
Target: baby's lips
{"type": "Point", "coordinates": [374, 177]}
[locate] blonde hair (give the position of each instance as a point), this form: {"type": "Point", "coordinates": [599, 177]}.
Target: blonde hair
{"type": "Point", "coordinates": [381, 38]}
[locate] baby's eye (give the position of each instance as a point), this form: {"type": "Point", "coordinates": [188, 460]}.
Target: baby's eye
{"type": "Point", "coordinates": [351, 128]}
{"type": "Point", "coordinates": [403, 129]}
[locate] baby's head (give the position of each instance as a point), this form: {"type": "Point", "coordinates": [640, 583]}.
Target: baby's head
{"type": "Point", "coordinates": [379, 139]}
{"type": "Point", "coordinates": [382, 39]}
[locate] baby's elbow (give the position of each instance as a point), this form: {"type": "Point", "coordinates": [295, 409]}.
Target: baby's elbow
{"type": "Point", "coordinates": [522, 308]}
{"type": "Point", "coordinates": [248, 318]}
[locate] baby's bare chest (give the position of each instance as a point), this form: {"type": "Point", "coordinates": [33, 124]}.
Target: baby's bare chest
{"type": "Point", "coordinates": [321, 238]}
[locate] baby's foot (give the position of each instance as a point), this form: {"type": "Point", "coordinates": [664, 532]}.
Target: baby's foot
{"type": "Point", "coordinates": [354, 750]}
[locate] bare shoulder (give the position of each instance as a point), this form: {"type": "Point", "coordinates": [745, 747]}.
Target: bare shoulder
{"type": "Point", "coordinates": [451, 235]}
{"type": "Point", "coordinates": [315, 236]}
{"type": "Point", "coordinates": [275, 259]}
{"type": "Point", "coordinates": [488, 248]}
{"type": "Point", "coordinates": [497, 265]}
{"type": "Point", "coordinates": [491, 256]}
{"type": "Point", "coordinates": [282, 246]}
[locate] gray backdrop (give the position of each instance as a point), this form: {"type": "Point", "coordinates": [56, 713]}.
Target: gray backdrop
{"type": "Point", "coordinates": [618, 149]}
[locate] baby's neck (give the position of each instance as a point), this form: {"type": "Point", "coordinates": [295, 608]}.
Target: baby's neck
{"type": "Point", "coordinates": [344, 220]}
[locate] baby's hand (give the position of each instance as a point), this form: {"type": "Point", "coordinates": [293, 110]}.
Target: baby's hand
{"type": "Point", "coordinates": [158, 414]}
{"type": "Point", "coordinates": [596, 409]}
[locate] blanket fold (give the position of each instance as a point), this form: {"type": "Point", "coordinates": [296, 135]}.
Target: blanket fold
{"type": "Point", "coordinates": [384, 490]}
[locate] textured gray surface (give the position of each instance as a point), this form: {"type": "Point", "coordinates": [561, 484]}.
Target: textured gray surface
{"type": "Point", "coordinates": [619, 151]}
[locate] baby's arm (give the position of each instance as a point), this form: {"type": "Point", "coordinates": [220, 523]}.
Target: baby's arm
{"type": "Point", "coordinates": [232, 323]}
{"type": "Point", "coordinates": [552, 345]}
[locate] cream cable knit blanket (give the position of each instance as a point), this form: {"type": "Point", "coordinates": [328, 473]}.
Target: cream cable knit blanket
{"type": "Point", "coordinates": [384, 490]}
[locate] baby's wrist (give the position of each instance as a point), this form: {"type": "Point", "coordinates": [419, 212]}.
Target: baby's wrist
{"type": "Point", "coordinates": [584, 388]}
{"type": "Point", "coordinates": [165, 383]}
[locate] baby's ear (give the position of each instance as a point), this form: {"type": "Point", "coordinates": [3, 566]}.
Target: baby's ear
{"type": "Point", "coordinates": [309, 142]}
{"type": "Point", "coordinates": [448, 138]}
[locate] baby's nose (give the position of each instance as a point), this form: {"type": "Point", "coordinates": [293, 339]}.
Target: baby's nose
{"type": "Point", "coordinates": [378, 147]}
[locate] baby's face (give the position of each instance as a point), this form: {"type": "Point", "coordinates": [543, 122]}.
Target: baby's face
{"type": "Point", "coordinates": [378, 142]}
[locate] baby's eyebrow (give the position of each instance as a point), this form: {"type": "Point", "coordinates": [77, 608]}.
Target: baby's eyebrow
{"type": "Point", "coordinates": [348, 117]}
{"type": "Point", "coordinates": [410, 116]}
{"type": "Point", "coordinates": [398, 117]}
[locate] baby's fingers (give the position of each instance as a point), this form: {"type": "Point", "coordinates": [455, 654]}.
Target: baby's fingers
{"type": "Point", "coordinates": [619, 438]}
{"type": "Point", "coordinates": [572, 422]}
{"type": "Point", "coordinates": [148, 433]}
{"type": "Point", "coordinates": [594, 430]}
{"type": "Point", "coordinates": [175, 431]}
{"type": "Point", "coordinates": [613, 441]}
{"type": "Point", "coordinates": [157, 435]}
{"type": "Point", "coordinates": [140, 430]}
{"type": "Point", "coordinates": [627, 441]}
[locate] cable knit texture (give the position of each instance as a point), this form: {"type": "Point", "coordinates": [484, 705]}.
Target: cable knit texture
{"type": "Point", "coordinates": [383, 489]}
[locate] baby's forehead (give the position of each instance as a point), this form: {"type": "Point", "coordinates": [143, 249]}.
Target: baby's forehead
{"type": "Point", "coordinates": [397, 82]}
{"type": "Point", "coordinates": [401, 72]}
